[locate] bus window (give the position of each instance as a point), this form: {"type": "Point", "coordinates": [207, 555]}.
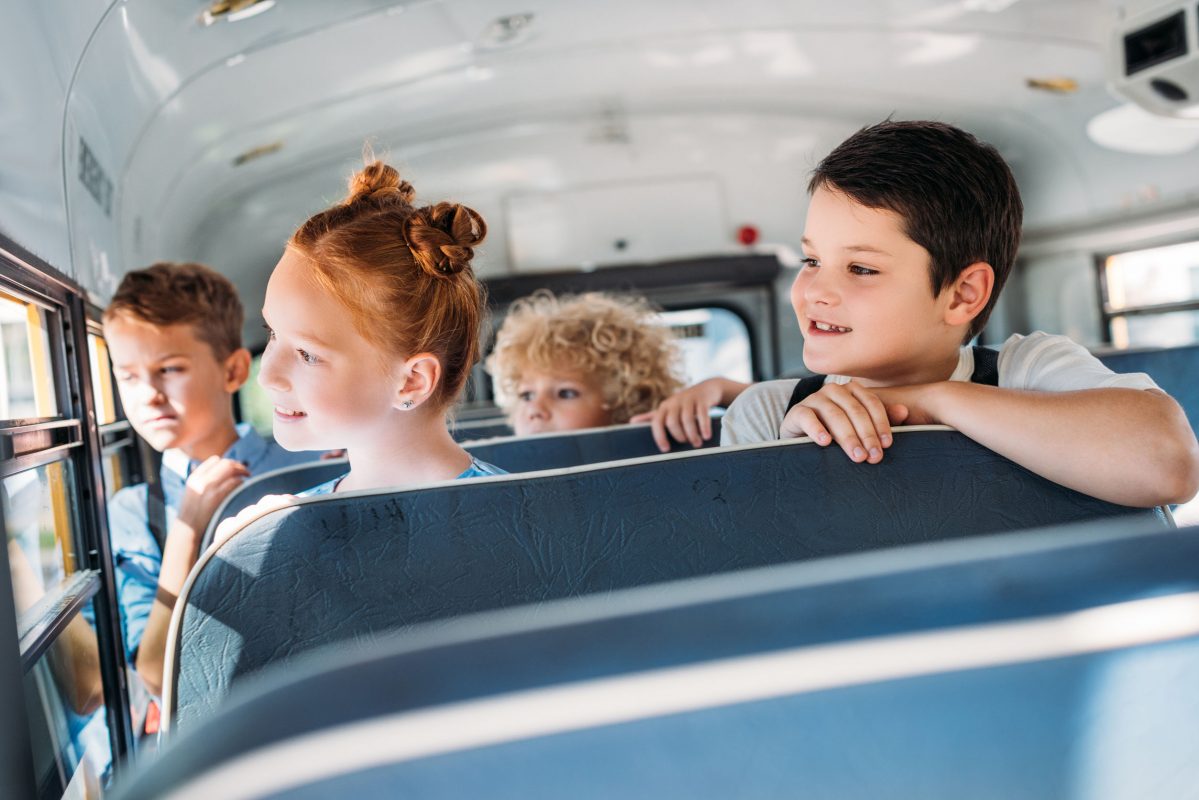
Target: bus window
{"type": "Point", "coordinates": [28, 386]}
{"type": "Point", "coordinates": [715, 343]}
{"type": "Point", "coordinates": [256, 406]}
{"type": "Point", "coordinates": [38, 520]}
{"type": "Point", "coordinates": [1151, 297]}
{"type": "Point", "coordinates": [106, 404]}
{"type": "Point", "coordinates": [65, 709]}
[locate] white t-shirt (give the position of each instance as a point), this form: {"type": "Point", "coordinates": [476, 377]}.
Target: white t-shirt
{"type": "Point", "coordinates": [1038, 362]}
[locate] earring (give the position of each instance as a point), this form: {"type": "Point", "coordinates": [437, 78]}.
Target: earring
{"type": "Point", "coordinates": [407, 404]}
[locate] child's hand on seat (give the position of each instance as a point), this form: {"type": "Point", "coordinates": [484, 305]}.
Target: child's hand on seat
{"type": "Point", "coordinates": [855, 417]}
{"type": "Point", "coordinates": [687, 414]}
{"type": "Point", "coordinates": [233, 524]}
{"type": "Point", "coordinates": [207, 486]}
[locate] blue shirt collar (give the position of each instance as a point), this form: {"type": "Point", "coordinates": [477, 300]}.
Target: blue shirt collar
{"type": "Point", "coordinates": [176, 466]}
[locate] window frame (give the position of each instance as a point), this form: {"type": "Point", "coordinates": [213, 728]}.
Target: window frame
{"type": "Point", "coordinates": [70, 436]}
{"type": "Point", "coordinates": [1108, 315]}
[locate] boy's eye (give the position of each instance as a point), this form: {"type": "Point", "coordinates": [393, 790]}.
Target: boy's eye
{"type": "Point", "coordinates": [171, 368]}
{"type": "Point", "coordinates": [567, 393]}
{"type": "Point", "coordinates": [125, 377]}
{"type": "Point", "coordinates": [858, 269]}
{"type": "Point", "coordinates": [809, 263]}
{"type": "Point", "coordinates": [525, 397]}
{"type": "Point", "coordinates": [306, 357]}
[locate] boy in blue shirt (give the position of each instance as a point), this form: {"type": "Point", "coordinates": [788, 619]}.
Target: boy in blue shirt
{"type": "Point", "coordinates": [174, 334]}
{"type": "Point", "coordinates": [911, 232]}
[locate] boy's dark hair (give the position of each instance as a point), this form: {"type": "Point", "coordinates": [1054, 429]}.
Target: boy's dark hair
{"type": "Point", "coordinates": [174, 294]}
{"type": "Point", "coordinates": [956, 195]}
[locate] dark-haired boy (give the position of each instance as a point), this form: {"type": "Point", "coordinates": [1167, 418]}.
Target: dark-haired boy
{"type": "Point", "coordinates": [174, 334]}
{"type": "Point", "coordinates": [911, 232]}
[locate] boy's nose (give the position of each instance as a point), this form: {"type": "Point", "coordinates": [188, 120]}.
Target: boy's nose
{"type": "Point", "coordinates": [819, 289]}
{"type": "Point", "coordinates": [535, 410]}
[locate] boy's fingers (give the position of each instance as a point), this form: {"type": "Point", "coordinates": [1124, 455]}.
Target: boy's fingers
{"type": "Point", "coordinates": [803, 421]}
{"type": "Point", "coordinates": [691, 429]}
{"type": "Point", "coordinates": [644, 416]}
{"type": "Point", "coordinates": [839, 424]}
{"type": "Point", "coordinates": [898, 413]}
{"type": "Point", "coordinates": [659, 431]}
{"type": "Point", "coordinates": [704, 413]}
{"type": "Point", "coordinates": [869, 446]}
{"type": "Point", "coordinates": [675, 426]}
{"type": "Point", "coordinates": [878, 416]}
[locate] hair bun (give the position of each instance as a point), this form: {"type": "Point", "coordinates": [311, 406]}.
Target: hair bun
{"type": "Point", "coordinates": [442, 238]}
{"type": "Point", "coordinates": [379, 183]}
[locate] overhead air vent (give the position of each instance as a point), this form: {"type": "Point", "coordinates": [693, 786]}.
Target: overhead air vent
{"type": "Point", "coordinates": [507, 31]}
{"type": "Point", "coordinates": [1153, 59]}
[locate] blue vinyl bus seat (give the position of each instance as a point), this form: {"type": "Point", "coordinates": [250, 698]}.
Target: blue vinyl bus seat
{"type": "Point", "coordinates": [1175, 369]}
{"type": "Point", "coordinates": [1050, 664]}
{"type": "Point", "coordinates": [512, 453]}
{"type": "Point", "coordinates": [346, 567]}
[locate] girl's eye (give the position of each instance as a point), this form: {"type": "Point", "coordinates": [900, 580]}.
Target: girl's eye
{"type": "Point", "coordinates": [568, 394]}
{"type": "Point", "coordinates": [270, 333]}
{"type": "Point", "coordinates": [809, 263]}
{"type": "Point", "coordinates": [858, 269]}
{"type": "Point", "coordinates": [306, 357]}
{"type": "Point", "coordinates": [170, 369]}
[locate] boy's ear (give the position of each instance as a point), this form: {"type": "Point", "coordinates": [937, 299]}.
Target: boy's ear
{"type": "Point", "coordinates": [419, 375]}
{"type": "Point", "coordinates": [236, 369]}
{"type": "Point", "coordinates": [969, 293]}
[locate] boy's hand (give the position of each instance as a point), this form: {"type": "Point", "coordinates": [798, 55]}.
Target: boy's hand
{"type": "Point", "coordinates": [208, 485]}
{"type": "Point", "coordinates": [855, 417]}
{"type": "Point", "coordinates": [687, 414]}
{"type": "Point", "coordinates": [232, 525]}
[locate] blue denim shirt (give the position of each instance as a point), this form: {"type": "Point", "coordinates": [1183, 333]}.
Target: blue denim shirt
{"type": "Point", "coordinates": [135, 554]}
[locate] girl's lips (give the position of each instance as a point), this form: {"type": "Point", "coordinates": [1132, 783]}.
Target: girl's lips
{"type": "Point", "coordinates": [288, 415]}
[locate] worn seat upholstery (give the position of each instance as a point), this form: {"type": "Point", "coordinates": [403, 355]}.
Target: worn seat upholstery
{"type": "Point", "coordinates": [346, 567]}
{"type": "Point", "coordinates": [1051, 664]}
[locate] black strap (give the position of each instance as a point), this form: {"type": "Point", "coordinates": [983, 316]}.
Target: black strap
{"type": "Point", "coordinates": [156, 507]}
{"type": "Point", "coordinates": [986, 372]}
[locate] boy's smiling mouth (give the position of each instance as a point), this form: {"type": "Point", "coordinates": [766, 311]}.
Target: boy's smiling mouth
{"type": "Point", "coordinates": [826, 327]}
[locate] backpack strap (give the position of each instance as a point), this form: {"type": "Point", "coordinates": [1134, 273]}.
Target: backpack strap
{"type": "Point", "coordinates": [156, 507]}
{"type": "Point", "coordinates": [986, 372]}
{"type": "Point", "coordinates": [986, 366]}
{"type": "Point", "coordinates": [804, 387]}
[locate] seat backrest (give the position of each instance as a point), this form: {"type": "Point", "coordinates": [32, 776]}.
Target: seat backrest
{"type": "Point", "coordinates": [1052, 664]}
{"type": "Point", "coordinates": [345, 567]}
{"type": "Point", "coordinates": [1174, 369]}
{"type": "Point", "coordinates": [480, 429]}
{"type": "Point", "coordinates": [512, 453]}
{"type": "Point", "coordinates": [576, 448]}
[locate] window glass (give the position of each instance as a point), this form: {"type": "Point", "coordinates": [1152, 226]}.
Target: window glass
{"type": "Point", "coordinates": [715, 343]}
{"type": "Point", "coordinates": [106, 405]}
{"type": "Point", "coordinates": [26, 376]}
{"type": "Point", "coordinates": [256, 406]}
{"type": "Point", "coordinates": [38, 518]}
{"type": "Point", "coordinates": [1152, 277]}
{"type": "Point", "coordinates": [64, 705]}
{"type": "Point", "coordinates": [114, 474]}
{"type": "Point", "coordinates": [1169, 329]}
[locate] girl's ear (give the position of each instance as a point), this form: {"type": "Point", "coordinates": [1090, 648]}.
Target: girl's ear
{"type": "Point", "coordinates": [236, 369]}
{"type": "Point", "coordinates": [970, 293]}
{"type": "Point", "coordinates": [419, 377]}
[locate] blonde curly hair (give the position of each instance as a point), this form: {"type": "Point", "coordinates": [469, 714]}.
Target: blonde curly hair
{"type": "Point", "coordinates": [611, 340]}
